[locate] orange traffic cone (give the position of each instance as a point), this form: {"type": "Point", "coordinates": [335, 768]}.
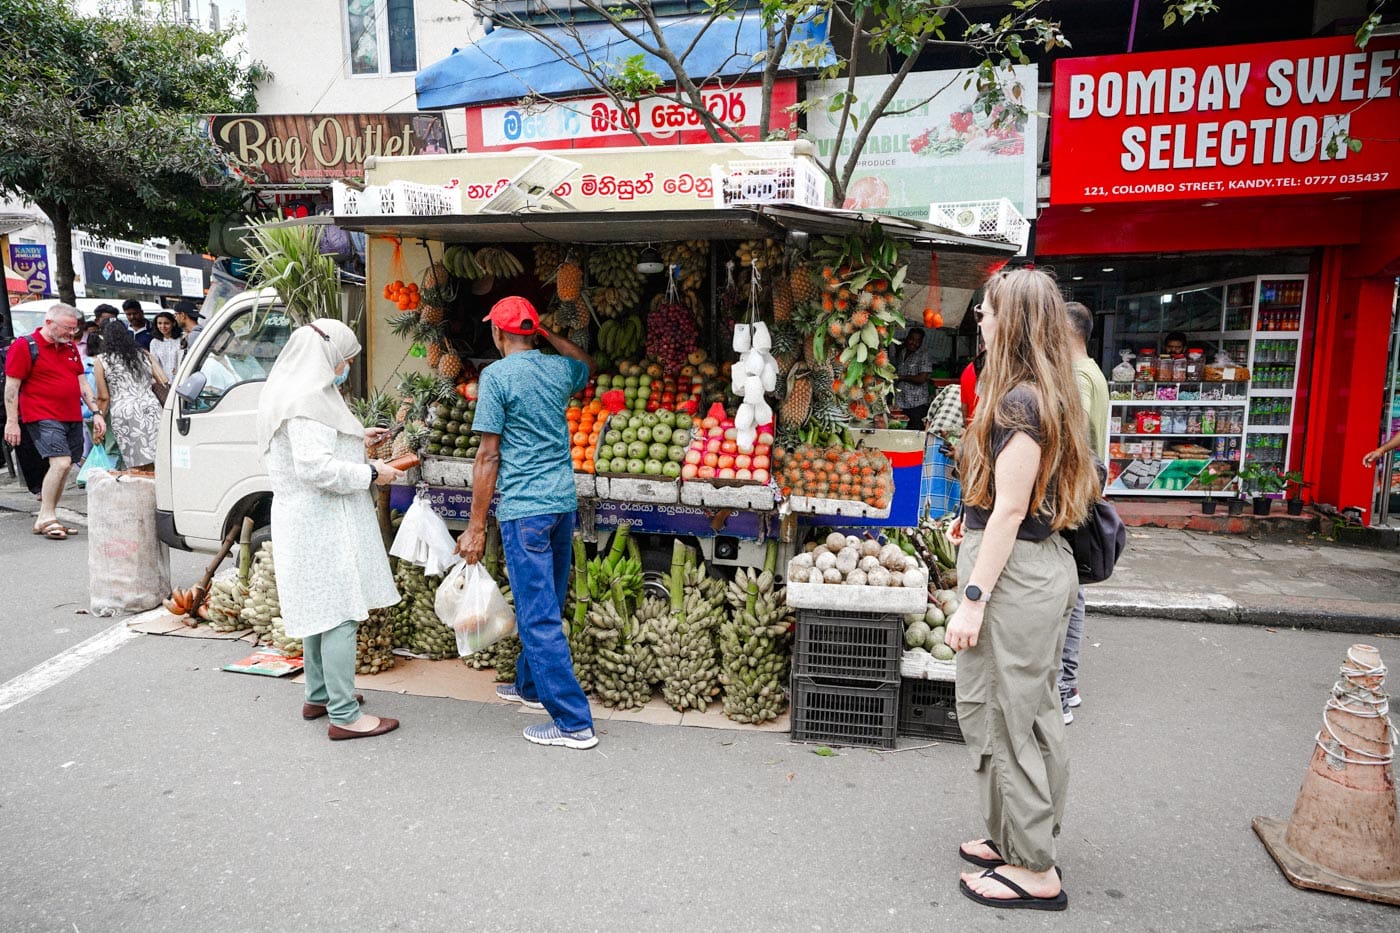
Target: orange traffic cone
{"type": "Point", "coordinates": [1344, 836]}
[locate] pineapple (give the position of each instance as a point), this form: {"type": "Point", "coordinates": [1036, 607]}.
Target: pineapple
{"type": "Point", "coordinates": [434, 352]}
{"type": "Point", "coordinates": [430, 314]}
{"type": "Point", "coordinates": [798, 404]}
{"type": "Point", "coordinates": [569, 280]}
{"type": "Point", "coordinates": [782, 299]}
{"type": "Point", "coordinates": [376, 411]}
{"type": "Point", "coordinates": [449, 365]}
{"type": "Point", "coordinates": [437, 276]}
{"type": "Point", "coordinates": [803, 285]}
{"type": "Point", "coordinates": [787, 342]}
{"type": "Point", "coordinates": [411, 439]}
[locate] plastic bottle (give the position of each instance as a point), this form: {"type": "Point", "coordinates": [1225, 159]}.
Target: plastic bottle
{"type": "Point", "coordinates": [1208, 421]}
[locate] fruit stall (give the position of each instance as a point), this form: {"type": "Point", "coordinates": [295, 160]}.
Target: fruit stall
{"type": "Point", "coordinates": [750, 521]}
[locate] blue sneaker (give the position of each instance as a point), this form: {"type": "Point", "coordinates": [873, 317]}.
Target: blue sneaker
{"type": "Point", "coordinates": [508, 693]}
{"type": "Point", "coordinates": [547, 733]}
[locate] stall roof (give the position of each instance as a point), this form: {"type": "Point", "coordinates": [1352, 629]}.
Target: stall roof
{"type": "Point", "coordinates": [963, 262]}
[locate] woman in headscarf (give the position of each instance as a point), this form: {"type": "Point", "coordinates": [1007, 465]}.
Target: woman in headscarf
{"type": "Point", "coordinates": [330, 560]}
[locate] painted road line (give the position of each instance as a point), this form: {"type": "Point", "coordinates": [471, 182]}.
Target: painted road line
{"type": "Point", "coordinates": [60, 667]}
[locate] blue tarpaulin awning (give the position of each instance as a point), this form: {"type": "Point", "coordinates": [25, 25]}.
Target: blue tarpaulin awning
{"type": "Point", "coordinates": [507, 64]}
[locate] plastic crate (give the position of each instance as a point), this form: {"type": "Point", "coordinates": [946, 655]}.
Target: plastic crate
{"type": "Point", "coordinates": [940, 491]}
{"type": "Point", "coordinates": [995, 219]}
{"type": "Point", "coordinates": [398, 198]}
{"type": "Point", "coordinates": [929, 708]}
{"type": "Point", "coordinates": [853, 647]}
{"type": "Point", "coordinates": [843, 714]}
{"type": "Point", "coordinates": [769, 181]}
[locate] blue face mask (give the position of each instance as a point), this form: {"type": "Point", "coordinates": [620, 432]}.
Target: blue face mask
{"type": "Point", "coordinates": [342, 376]}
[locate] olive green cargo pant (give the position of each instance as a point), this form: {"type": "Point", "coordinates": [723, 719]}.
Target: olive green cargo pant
{"type": "Point", "coordinates": [1008, 702]}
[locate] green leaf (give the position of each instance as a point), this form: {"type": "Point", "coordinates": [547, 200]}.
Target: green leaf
{"type": "Point", "coordinates": [1168, 19]}
{"type": "Point", "coordinates": [823, 752]}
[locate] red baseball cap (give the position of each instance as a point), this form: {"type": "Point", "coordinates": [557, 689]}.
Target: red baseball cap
{"type": "Point", "coordinates": [515, 315]}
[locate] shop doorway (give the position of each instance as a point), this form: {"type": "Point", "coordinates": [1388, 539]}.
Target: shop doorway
{"type": "Point", "coordinates": [1386, 507]}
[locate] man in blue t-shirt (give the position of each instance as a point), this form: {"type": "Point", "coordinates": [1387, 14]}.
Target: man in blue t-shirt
{"type": "Point", "coordinates": [525, 450]}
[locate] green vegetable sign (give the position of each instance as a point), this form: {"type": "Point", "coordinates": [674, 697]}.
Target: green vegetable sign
{"type": "Point", "coordinates": [936, 142]}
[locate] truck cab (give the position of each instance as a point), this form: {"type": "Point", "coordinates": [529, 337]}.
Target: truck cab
{"type": "Point", "coordinates": [209, 471]}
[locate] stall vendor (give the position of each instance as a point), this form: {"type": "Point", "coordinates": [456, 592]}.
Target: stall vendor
{"type": "Point", "coordinates": [914, 370]}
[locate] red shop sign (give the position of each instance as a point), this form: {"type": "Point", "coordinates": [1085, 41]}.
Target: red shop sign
{"type": "Point", "coordinates": [598, 122]}
{"type": "Point", "coordinates": [1235, 121]}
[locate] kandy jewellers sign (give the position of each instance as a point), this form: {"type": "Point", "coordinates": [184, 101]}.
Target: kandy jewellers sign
{"type": "Point", "coordinates": [590, 122]}
{"type": "Point", "coordinates": [281, 149]}
{"type": "Point", "coordinates": [1227, 122]}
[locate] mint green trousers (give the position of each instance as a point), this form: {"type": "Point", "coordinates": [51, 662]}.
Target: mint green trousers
{"type": "Point", "coordinates": [329, 662]}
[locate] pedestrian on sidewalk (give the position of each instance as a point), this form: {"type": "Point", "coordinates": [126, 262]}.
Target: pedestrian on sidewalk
{"type": "Point", "coordinates": [165, 345]}
{"type": "Point", "coordinates": [525, 442]}
{"type": "Point", "coordinates": [44, 392]}
{"type": "Point", "coordinates": [187, 316]}
{"type": "Point", "coordinates": [1093, 392]}
{"type": "Point", "coordinates": [124, 374]}
{"type": "Point", "coordinates": [1027, 473]}
{"type": "Point", "coordinates": [136, 323]}
{"type": "Point", "coordinates": [331, 565]}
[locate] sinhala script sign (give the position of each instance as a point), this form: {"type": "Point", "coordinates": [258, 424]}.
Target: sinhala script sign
{"type": "Point", "coordinates": [1227, 122]}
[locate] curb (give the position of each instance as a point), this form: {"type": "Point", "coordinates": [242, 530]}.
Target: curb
{"type": "Point", "coordinates": [1326, 615]}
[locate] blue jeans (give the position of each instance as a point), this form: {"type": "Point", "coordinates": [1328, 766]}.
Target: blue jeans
{"type": "Point", "coordinates": [1069, 660]}
{"type": "Point", "coordinates": [538, 551]}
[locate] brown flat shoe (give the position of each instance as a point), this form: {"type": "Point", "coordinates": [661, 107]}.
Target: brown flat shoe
{"type": "Point", "coordinates": [317, 710]}
{"type": "Point", "coordinates": [336, 733]}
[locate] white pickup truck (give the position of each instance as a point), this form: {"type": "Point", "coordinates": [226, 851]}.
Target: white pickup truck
{"type": "Point", "coordinates": [209, 472]}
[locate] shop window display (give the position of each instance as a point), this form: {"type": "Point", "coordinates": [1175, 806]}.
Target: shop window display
{"type": "Point", "coordinates": [1184, 423]}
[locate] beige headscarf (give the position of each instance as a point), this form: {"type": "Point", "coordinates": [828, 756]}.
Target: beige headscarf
{"type": "Point", "coordinates": [302, 381]}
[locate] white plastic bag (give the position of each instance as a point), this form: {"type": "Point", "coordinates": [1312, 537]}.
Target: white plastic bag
{"type": "Point", "coordinates": [128, 566]}
{"type": "Point", "coordinates": [469, 602]}
{"type": "Point", "coordinates": [423, 539]}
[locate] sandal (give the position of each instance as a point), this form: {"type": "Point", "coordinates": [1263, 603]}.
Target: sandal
{"type": "Point", "coordinates": [981, 862]}
{"type": "Point", "coordinates": [53, 530]}
{"type": "Point", "coordinates": [1022, 901]}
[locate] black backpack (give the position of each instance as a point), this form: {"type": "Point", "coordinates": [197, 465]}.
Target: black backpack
{"type": "Point", "coordinates": [1098, 543]}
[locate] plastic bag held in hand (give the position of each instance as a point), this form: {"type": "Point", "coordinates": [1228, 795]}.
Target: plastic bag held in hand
{"type": "Point", "coordinates": [469, 602]}
{"type": "Point", "coordinates": [423, 539]}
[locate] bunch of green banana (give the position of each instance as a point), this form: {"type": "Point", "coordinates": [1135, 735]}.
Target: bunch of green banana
{"type": "Point", "coordinates": [756, 645]}
{"type": "Point", "coordinates": [687, 656]}
{"type": "Point", "coordinates": [417, 626]}
{"type": "Point", "coordinates": [932, 546]}
{"type": "Point", "coordinates": [462, 263]}
{"type": "Point", "coordinates": [262, 605]}
{"type": "Point", "coordinates": [498, 262]}
{"type": "Point", "coordinates": [626, 663]}
{"type": "Point", "coordinates": [621, 338]}
{"type": "Point", "coordinates": [226, 599]}
{"type": "Point", "coordinates": [374, 642]}
{"type": "Point", "coordinates": [581, 646]}
{"type": "Point", "coordinates": [617, 285]}
{"type": "Point", "coordinates": [291, 647]}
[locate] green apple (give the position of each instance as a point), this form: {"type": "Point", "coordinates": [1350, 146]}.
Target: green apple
{"type": "Point", "coordinates": [636, 466]}
{"type": "Point", "coordinates": [652, 468]}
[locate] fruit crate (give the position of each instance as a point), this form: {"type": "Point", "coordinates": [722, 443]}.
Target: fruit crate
{"type": "Point", "coordinates": [851, 646]}
{"type": "Point", "coordinates": [843, 508]}
{"type": "Point", "coordinates": [838, 597]}
{"type": "Point", "coordinates": [834, 713]}
{"type": "Point", "coordinates": [723, 494]}
{"type": "Point", "coordinates": [769, 181]}
{"type": "Point", "coordinates": [447, 471]}
{"type": "Point", "coordinates": [657, 490]}
{"type": "Point", "coordinates": [929, 708]}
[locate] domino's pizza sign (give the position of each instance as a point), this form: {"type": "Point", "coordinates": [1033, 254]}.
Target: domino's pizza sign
{"type": "Point", "coordinates": [107, 271]}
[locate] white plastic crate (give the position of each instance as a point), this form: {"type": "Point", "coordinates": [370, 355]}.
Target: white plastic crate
{"type": "Point", "coordinates": [398, 198]}
{"type": "Point", "coordinates": [990, 220]}
{"type": "Point", "coordinates": [769, 181]}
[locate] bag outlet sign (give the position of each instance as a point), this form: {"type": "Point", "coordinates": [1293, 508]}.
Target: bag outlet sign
{"type": "Point", "coordinates": [1316, 116]}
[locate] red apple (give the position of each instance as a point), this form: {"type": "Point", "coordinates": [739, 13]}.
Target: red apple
{"type": "Point", "coordinates": [726, 462]}
{"type": "Point", "coordinates": [760, 475]}
{"type": "Point", "coordinates": [742, 462]}
{"type": "Point", "coordinates": [729, 446]}
{"type": "Point", "coordinates": [707, 472]}
{"type": "Point", "coordinates": [692, 457]}
{"type": "Point", "coordinates": [711, 459]}
{"type": "Point", "coordinates": [726, 473]}
{"type": "Point", "coordinates": [760, 461]}
{"type": "Point", "coordinates": [765, 438]}
{"type": "Point", "coordinates": [690, 471]}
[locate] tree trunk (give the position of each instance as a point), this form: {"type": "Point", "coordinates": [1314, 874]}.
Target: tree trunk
{"type": "Point", "coordinates": [63, 249]}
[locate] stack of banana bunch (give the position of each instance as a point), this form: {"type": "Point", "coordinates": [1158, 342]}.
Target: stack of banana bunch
{"type": "Point", "coordinates": [620, 623]}
{"type": "Point", "coordinates": [621, 338]}
{"type": "Point", "coordinates": [684, 639]}
{"type": "Point", "coordinates": [548, 256]}
{"type": "Point", "coordinates": [617, 285]}
{"type": "Point", "coordinates": [225, 606]}
{"type": "Point", "coordinates": [691, 261]}
{"type": "Point", "coordinates": [498, 262]}
{"type": "Point", "coordinates": [755, 645]}
{"type": "Point", "coordinates": [764, 255]}
{"type": "Point", "coordinates": [262, 605]}
{"type": "Point", "coordinates": [291, 647]}
{"type": "Point", "coordinates": [417, 626]}
{"type": "Point", "coordinates": [461, 262]}
{"type": "Point", "coordinates": [374, 642]}
{"type": "Point", "coordinates": [581, 645]}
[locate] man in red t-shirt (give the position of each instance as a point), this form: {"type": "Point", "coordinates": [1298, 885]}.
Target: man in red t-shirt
{"type": "Point", "coordinates": [43, 385]}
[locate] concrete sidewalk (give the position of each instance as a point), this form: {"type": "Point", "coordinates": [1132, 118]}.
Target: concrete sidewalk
{"type": "Point", "coordinates": [1297, 582]}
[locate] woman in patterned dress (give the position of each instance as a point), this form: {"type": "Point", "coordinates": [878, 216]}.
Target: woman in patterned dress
{"type": "Point", "coordinates": [124, 373]}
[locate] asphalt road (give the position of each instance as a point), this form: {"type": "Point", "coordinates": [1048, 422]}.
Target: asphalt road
{"type": "Point", "coordinates": [148, 791]}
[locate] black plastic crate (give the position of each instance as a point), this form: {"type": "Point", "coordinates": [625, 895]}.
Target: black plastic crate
{"type": "Point", "coordinates": [853, 647]}
{"type": "Point", "coordinates": [929, 708]}
{"type": "Point", "coordinates": [842, 714]}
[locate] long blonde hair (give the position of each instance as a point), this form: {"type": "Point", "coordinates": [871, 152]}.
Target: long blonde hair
{"type": "Point", "coordinates": [1032, 348]}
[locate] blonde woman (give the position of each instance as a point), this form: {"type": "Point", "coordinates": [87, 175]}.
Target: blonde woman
{"type": "Point", "coordinates": [1027, 474]}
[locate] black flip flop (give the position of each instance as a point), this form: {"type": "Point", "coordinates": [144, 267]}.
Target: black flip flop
{"type": "Point", "coordinates": [1022, 900]}
{"type": "Point", "coordinates": [981, 862]}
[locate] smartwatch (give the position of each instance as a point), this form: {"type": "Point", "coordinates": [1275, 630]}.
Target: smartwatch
{"type": "Point", "coordinates": [974, 593]}
{"type": "Point", "coordinates": [373, 474]}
